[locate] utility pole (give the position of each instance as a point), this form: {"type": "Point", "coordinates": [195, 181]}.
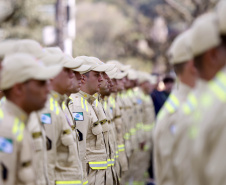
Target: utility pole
{"type": "Point", "coordinates": [65, 24]}
{"type": "Point", "coordinates": [60, 22]}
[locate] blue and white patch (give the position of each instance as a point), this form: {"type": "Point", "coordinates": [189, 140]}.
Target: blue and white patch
{"type": "Point", "coordinates": [46, 118]}
{"type": "Point", "coordinates": [78, 116]}
{"type": "Point", "coordinates": [6, 145]}
{"type": "Point", "coordinates": [111, 110]}
{"type": "Point", "coordinates": [139, 101]}
{"type": "Point", "coordinates": [173, 129]}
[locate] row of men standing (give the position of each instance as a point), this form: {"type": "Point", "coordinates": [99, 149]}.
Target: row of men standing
{"type": "Point", "coordinates": [189, 137]}
{"type": "Point", "coordinates": [74, 121]}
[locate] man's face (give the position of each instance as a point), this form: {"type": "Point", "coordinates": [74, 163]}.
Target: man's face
{"type": "Point", "coordinates": [35, 94]}
{"type": "Point", "coordinates": [105, 84]}
{"type": "Point", "coordinates": [114, 86]}
{"type": "Point", "coordinates": [93, 82]}
{"type": "Point", "coordinates": [76, 82]}
{"type": "Point", "coordinates": [146, 86]}
{"type": "Point", "coordinates": [63, 83]}
{"type": "Point", "coordinates": [169, 86]}
{"type": "Point", "coordinates": [120, 84]}
{"type": "Point", "coordinates": [127, 83]}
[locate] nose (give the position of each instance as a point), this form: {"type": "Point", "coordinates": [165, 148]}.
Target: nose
{"type": "Point", "coordinates": [71, 74]}
{"type": "Point", "coordinates": [100, 79]}
{"type": "Point", "coordinates": [79, 77]}
{"type": "Point", "coordinates": [47, 87]}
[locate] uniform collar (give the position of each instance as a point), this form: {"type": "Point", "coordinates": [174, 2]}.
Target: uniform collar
{"type": "Point", "coordinates": [58, 97]}
{"type": "Point", "coordinates": [15, 110]}
{"type": "Point", "coordinates": [88, 97]}
{"type": "Point", "coordinates": [106, 98]}
{"type": "Point", "coordinates": [183, 88]}
{"type": "Point", "coordinates": [113, 95]}
{"type": "Point", "coordinates": [96, 95]}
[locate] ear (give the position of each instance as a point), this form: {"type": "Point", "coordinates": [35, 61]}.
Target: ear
{"type": "Point", "coordinates": [18, 89]}
{"type": "Point", "coordinates": [83, 78]}
{"type": "Point", "coordinates": [212, 57]}
{"type": "Point", "coordinates": [191, 66]}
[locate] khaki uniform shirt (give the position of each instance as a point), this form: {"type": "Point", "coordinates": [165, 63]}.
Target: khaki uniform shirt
{"type": "Point", "coordinates": [92, 147]}
{"type": "Point", "coordinates": [127, 118]}
{"type": "Point", "coordinates": [181, 153]}
{"type": "Point", "coordinates": [16, 159]}
{"type": "Point", "coordinates": [116, 116]}
{"type": "Point", "coordinates": [37, 132]}
{"type": "Point", "coordinates": [134, 111]}
{"type": "Point", "coordinates": [62, 148]}
{"type": "Point", "coordinates": [102, 111]}
{"type": "Point", "coordinates": [164, 133]}
{"type": "Point", "coordinates": [101, 115]}
{"type": "Point", "coordinates": [208, 156]}
{"type": "Point", "coordinates": [148, 121]}
{"type": "Point", "coordinates": [139, 114]}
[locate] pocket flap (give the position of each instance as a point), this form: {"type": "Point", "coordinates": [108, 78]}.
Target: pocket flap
{"type": "Point", "coordinates": [38, 144]}
{"type": "Point", "coordinates": [67, 139]}
{"type": "Point", "coordinates": [97, 129]}
{"type": "Point", "coordinates": [105, 127]}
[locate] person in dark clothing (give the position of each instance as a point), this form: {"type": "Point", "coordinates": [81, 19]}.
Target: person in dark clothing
{"type": "Point", "coordinates": [159, 97]}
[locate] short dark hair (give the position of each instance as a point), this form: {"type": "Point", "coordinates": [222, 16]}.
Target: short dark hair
{"type": "Point", "coordinates": [223, 39]}
{"type": "Point", "coordinates": [198, 61]}
{"type": "Point", "coordinates": [179, 68]}
{"type": "Point", "coordinates": [168, 79]}
{"type": "Point", "coordinates": [7, 92]}
{"type": "Point", "coordinates": [86, 74]}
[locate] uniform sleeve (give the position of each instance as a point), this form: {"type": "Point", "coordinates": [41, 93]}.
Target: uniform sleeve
{"type": "Point", "coordinates": [26, 174]}
{"type": "Point", "coordinates": [53, 129]}
{"type": "Point", "coordinates": [82, 120]}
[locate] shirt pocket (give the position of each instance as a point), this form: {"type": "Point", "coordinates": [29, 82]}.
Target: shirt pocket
{"type": "Point", "coordinates": [38, 144]}
{"type": "Point", "coordinates": [68, 141]}
{"type": "Point", "coordinates": [98, 141]}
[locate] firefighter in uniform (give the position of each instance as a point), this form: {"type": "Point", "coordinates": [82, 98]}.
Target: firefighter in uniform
{"type": "Point", "coordinates": [181, 58]}
{"type": "Point", "coordinates": [23, 81]}
{"type": "Point", "coordinates": [64, 166]}
{"type": "Point", "coordinates": [92, 145]}
{"type": "Point", "coordinates": [186, 132]}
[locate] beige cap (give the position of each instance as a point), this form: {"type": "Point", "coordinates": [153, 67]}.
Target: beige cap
{"type": "Point", "coordinates": [20, 67]}
{"type": "Point", "coordinates": [112, 72]}
{"type": "Point", "coordinates": [7, 46]}
{"type": "Point", "coordinates": [116, 73]}
{"type": "Point", "coordinates": [132, 74]}
{"type": "Point", "coordinates": [119, 65]}
{"type": "Point", "coordinates": [180, 50]}
{"type": "Point", "coordinates": [95, 64]}
{"type": "Point", "coordinates": [153, 79]}
{"type": "Point", "coordinates": [121, 75]}
{"type": "Point", "coordinates": [55, 56]}
{"type": "Point", "coordinates": [82, 68]}
{"type": "Point", "coordinates": [54, 50]}
{"type": "Point", "coordinates": [204, 34]}
{"type": "Point", "coordinates": [143, 77]}
{"type": "Point", "coordinates": [221, 16]}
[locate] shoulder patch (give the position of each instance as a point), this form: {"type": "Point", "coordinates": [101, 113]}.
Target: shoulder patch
{"type": "Point", "coordinates": [46, 118]}
{"type": "Point", "coordinates": [78, 116]}
{"type": "Point", "coordinates": [6, 145]}
{"type": "Point", "coordinates": [173, 129]}
{"type": "Point", "coordinates": [111, 110]}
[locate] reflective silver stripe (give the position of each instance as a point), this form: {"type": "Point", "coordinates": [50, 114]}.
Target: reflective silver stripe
{"type": "Point", "coordinates": [98, 165]}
